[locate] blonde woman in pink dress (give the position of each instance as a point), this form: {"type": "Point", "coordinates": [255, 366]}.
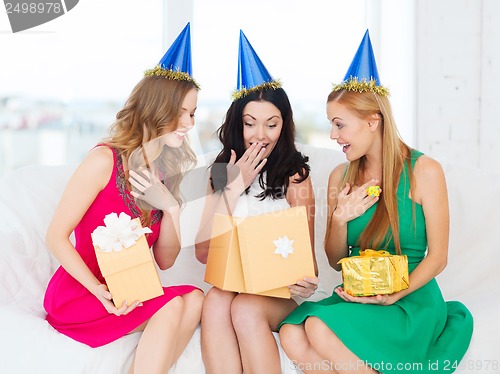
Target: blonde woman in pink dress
{"type": "Point", "coordinates": [159, 110]}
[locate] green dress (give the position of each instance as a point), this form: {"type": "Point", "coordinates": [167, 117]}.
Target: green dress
{"type": "Point", "coordinates": [420, 333]}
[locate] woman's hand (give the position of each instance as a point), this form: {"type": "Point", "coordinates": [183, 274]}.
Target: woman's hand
{"type": "Point", "coordinates": [305, 287]}
{"type": "Point", "coordinates": [242, 173]}
{"type": "Point", "coordinates": [153, 191]}
{"type": "Point", "coordinates": [354, 204]}
{"type": "Point", "coordinates": [104, 296]}
{"type": "Point", "coordinates": [377, 299]}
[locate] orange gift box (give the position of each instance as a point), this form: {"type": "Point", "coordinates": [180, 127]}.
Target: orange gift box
{"type": "Point", "coordinates": [127, 265]}
{"type": "Point", "coordinates": [374, 273]}
{"type": "Point", "coordinates": [260, 254]}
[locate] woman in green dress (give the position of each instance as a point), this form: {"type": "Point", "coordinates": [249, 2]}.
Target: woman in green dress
{"type": "Point", "coordinates": [413, 330]}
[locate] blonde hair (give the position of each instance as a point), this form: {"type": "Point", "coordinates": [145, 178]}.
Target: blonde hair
{"type": "Point", "coordinates": [151, 110]}
{"type": "Point", "coordinates": [384, 225]}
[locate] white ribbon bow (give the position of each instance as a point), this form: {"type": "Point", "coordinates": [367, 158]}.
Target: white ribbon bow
{"type": "Point", "coordinates": [119, 233]}
{"type": "Point", "coordinates": [283, 246]}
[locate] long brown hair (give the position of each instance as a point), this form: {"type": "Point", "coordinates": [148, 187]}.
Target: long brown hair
{"type": "Point", "coordinates": [152, 109]}
{"type": "Point", "coordinates": [384, 224]}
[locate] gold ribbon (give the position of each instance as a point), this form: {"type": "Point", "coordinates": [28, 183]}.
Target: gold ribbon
{"type": "Point", "coordinates": [373, 253]}
{"type": "Point", "coordinates": [366, 253]}
{"type": "Point", "coordinates": [364, 267]}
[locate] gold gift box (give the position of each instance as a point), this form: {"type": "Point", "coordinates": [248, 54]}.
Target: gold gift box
{"type": "Point", "coordinates": [242, 256]}
{"type": "Point", "coordinates": [374, 273]}
{"type": "Point", "coordinates": [131, 273]}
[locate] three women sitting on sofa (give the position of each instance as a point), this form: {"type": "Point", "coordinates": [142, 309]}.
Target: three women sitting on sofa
{"type": "Point", "coordinates": [258, 138]}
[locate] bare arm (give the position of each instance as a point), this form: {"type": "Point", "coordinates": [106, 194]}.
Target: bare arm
{"type": "Point", "coordinates": [167, 247]}
{"type": "Point", "coordinates": [344, 206]}
{"type": "Point", "coordinates": [215, 202]}
{"type": "Point", "coordinates": [245, 170]}
{"type": "Point", "coordinates": [336, 230]}
{"type": "Point", "coordinates": [302, 194]}
{"type": "Point", "coordinates": [149, 188]}
{"type": "Point", "coordinates": [431, 193]}
{"type": "Point", "coordinates": [87, 181]}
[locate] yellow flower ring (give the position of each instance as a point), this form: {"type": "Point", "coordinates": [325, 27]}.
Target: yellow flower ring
{"type": "Point", "coordinates": [373, 191]}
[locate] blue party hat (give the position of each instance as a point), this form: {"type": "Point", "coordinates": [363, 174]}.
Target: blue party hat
{"type": "Point", "coordinates": [252, 74]}
{"type": "Point", "coordinates": [176, 63]}
{"type": "Point", "coordinates": [362, 75]}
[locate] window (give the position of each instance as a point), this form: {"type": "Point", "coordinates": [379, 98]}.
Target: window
{"type": "Point", "coordinates": [63, 82]}
{"type": "Point", "coordinates": [307, 45]}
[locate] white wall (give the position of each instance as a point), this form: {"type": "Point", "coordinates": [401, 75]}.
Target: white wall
{"type": "Point", "coordinates": [458, 62]}
{"type": "Point", "coordinates": [394, 34]}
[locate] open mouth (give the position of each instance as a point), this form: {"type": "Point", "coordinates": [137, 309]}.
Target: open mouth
{"type": "Point", "coordinates": [180, 134]}
{"type": "Point", "coordinates": [345, 147]}
{"type": "Point", "coordinates": [263, 145]}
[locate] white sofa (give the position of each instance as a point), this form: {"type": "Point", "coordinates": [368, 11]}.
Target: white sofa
{"type": "Point", "coordinates": [28, 344]}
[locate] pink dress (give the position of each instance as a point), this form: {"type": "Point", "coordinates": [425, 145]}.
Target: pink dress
{"type": "Point", "coordinates": [71, 308]}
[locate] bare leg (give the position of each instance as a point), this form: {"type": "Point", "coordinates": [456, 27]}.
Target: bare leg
{"type": "Point", "coordinates": [254, 319]}
{"type": "Point", "coordinates": [331, 348]}
{"type": "Point", "coordinates": [190, 319]}
{"type": "Point", "coordinates": [191, 316]}
{"type": "Point", "coordinates": [155, 351]}
{"type": "Point", "coordinates": [296, 345]}
{"type": "Point", "coordinates": [219, 345]}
